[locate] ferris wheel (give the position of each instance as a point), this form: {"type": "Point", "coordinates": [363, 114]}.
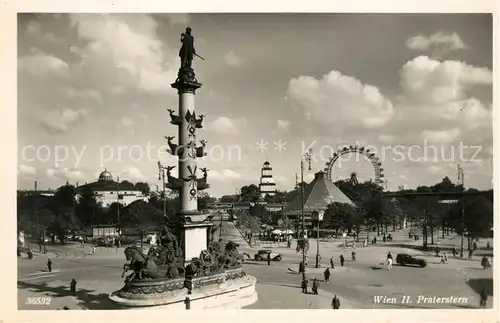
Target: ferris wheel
{"type": "Point", "coordinates": [362, 151]}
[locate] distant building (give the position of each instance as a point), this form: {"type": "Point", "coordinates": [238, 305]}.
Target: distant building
{"type": "Point", "coordinates": [107, 191]}
{"type": "Point", "coordinates": [317, 196]}
{"type": "Point", "coordinates": [267, 185]}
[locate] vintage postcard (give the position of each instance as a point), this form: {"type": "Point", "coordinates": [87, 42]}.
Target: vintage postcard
{"type": "Point", "coordinates": [291, 160]}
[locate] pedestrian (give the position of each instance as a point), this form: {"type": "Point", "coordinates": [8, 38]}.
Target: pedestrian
{"type": "Point", "coordinates": [72, 287]}
{"type": "Point", "coordinates": [93, 249]}
{"type": "Point", "coordinates": [483, 298]}
{"type": "Point", "coordinates": [332, 263]}
{"type": "Point", "coordinates": [454, 251]}
{"type": "Point", "coordinates": [301, 267]}
{"type": "Point", "coordinates": [335, 303]}
{"type": "Point", "coordinates": [389, 264]}
{"type": "Point", "coordinates": [384, 238]}
{"type": "Point", "coordinates": [365, 243]}
{"type": "Point", "coordinates": [389, 256]}
{"type": "Point", "coordinates": [315, 286]}
{"type": "Point", "coordinates": [353, 255]}
{"type": "Point", "coordinates": [30, 254]}
{"type": "Point", "coordinates": [49, 265]}
{"type": "Point", "coordinates": [269, 259]}
{"type": "Point", "coordinates": [304, 285]}
{"type": "Point", "coordinates": [341, 260]}
{"type": "Point", "coordinates": [442, 259]}
{"type": "Point", "coordinates": [445, 258]}
{"type": "Point", "coordinates": [326, 273]}
{"type": "Point", "coordinates": [470, 253]}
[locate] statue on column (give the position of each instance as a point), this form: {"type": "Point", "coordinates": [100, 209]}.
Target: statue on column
{"type": "Point", "coordinates": [187, 51]}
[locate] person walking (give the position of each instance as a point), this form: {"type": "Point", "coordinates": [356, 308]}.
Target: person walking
{"type": "Point", "coordinates": [454, 251]}
{"type": "Point", "coordinates": [389, 264]}
{"type": "Point", "coordinates": [49, 265]}
{"type": "Point", "coordinates": [304, 285]}
{"type": "Point", "coordinates": [332, 263]}
{"type": "Point", "coordinates": [315, 286]}
{"type": "Point", "coordinates": [326, 274]}
{"type": "Point", "coordinates": [353, 255]}
{"type": "Point", "coordinates": [483, 298]}
{"type": "Point", "coordinates": [365, 243]}
{"type": "Point", "coordinates": [72, 287]}
{"type": "Point", "coordinates": [269, 259]}
{"type": "Point", "coordinates": [341, 260]}
{"type": "Point", "coordinates": [335, 303]}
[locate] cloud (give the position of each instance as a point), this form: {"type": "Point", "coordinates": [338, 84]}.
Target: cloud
{"type": "Point", "coordinates": [427, 80]}
{"type": "Point", "coordinates": [436, 169]}
{"type": "Point", "coordinates": [124, 50]}
{"type": "Point", "coordinates": [127, 122]}
{"type": "Point", "coordinates": [26, 170]}
{"type": "Point", "coordinates": [83, 94]}
{"type": "Point", "coordinates": [386, 139]}
{"type": "Point", "coordinates": [441, 136]}
{"type": "Point", "coordinates": [177, 18]}
{"type": "Point", "coordinates": [340, 100]}
{"type": "Point", "coordinates": [232, 59]}
{"type": "Point", "coordinates": [132, 173]}
{"type": "Point", "coordinates": [440, 41]}
{"type": "Point", "coordinates": [43, 65]}
{"type": "Point", "coordinates": [60, 121]}
{"type": "Point", "coordinates": [225, 175]}
{"type": "Point", "coordinates": [226, 126]}
{"type": "Point", "coordinates": [437, 96]}
{"type": "Point", "coordinates": [65, 173]}
{"type": "Point", "coordinates": [284, 124]}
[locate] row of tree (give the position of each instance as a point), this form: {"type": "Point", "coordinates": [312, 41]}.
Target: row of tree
{"type": "Point", "coordinates": [374, 210]}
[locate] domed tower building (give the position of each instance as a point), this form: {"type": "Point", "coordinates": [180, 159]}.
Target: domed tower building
{"type": "Point", "coordinates": [267, 185]}
{"type": "Point", "coordinates": [108, 191]}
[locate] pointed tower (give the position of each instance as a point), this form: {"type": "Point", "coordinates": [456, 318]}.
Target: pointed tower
{"type": "Point", "coordinates": [267, 185]}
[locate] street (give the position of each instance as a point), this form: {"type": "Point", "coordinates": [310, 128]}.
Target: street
{"type": "Point", "coordinates": [356, 284]}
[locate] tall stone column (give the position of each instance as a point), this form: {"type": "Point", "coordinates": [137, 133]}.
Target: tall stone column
{"type": "Point", "coordinates": [187, 139]}
{"type": "Point", "coordinates": [192, 227]}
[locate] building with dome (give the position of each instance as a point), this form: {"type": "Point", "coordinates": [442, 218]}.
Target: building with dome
{"type": "Point", "coordinates": [267, 185]}
{"type": "Point", "coordinates": [107, 191]}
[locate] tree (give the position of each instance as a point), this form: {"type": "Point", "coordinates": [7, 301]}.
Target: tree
{"type": "Point", "coordinates": [142, 215]}
{"type": "Point", "coordinates": [143, 187]}
{"type": "Point", "coordinates": [126, 186]}
{"type": "Point", "coordinates": [249, 193]}
{"type": "Point", "coordinates": [478, 219]}
{"type": "Point", "coordinates": [228, 199]}
{"type": "Point", "coordinates": [64, 222]}
{"type": "Point", "coordinates": [87, 208]}
{"type": "Point", "coordinates": [339, 216]}
{"type": "Point", "coordinates": [205, 200]}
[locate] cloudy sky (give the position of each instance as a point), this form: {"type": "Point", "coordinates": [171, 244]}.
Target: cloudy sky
{"type": "Point", "coordinates": [93, 93]}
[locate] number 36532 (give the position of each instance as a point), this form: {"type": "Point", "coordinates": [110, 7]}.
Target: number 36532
{"type": "Point", "coordinates": [38, 300]}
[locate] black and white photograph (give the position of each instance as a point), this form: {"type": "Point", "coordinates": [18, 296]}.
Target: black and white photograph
{"type": "Point", "coordinates": [221, 161]}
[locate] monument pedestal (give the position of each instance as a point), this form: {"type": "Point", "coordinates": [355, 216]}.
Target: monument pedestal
{"type": "Point", "coordinates": [194, 238]}
{"type": "Point", "coordinates": [230, 289]}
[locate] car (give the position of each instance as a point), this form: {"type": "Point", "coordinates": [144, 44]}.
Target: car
{"type": "Point", "coordinates": [404, 259]}
{"type": "Point", "coordinates": [262, 255]}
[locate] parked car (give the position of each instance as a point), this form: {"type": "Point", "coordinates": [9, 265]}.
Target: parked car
{"type": "Point", "coordinates": [404, 259]}
{"type": "Point", "coordinates": [262, 255]}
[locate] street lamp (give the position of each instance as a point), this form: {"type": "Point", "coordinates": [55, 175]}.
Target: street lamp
{"type": "Point", "coordinates": [305, 158]}
{"type": "Point", "coordinates": [317, 216]}
{"type": "Point", "coordinates": [161, 176]}
{"type": "Point", "coordinates": [461, 179]}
